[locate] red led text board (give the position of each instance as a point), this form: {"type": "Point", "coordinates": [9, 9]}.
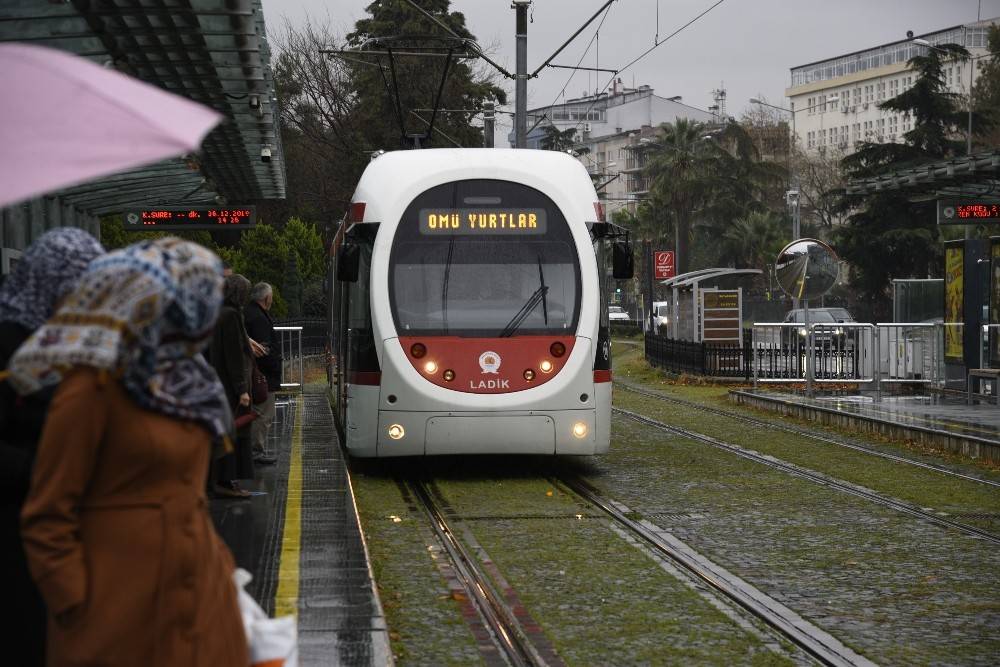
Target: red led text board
{"type": "Point", "coordinates": [173, 218]}
{"type": "Point", "coordinates": [967, 212]}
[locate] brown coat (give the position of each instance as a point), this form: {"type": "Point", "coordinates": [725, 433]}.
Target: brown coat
{"type": "Point", "coordinates": [119, 539]}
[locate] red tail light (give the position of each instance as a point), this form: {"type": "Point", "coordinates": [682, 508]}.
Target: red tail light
{"type": "Point", "coordinates": [357, 211]}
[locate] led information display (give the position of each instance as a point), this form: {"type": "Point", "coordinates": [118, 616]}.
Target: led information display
{"type": "Point", "coordinates": [967, 212]}
{"type": "Point", "coordinates": [174, 218]}
{"type": "Point", "coordinates": [482, 221]}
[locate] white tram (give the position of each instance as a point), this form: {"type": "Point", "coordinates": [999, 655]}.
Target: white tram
{"type": "Point", "coordinates": [469, 311]}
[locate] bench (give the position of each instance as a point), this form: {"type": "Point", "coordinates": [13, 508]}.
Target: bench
{"type": "Point", "coordinates": [975, 379]}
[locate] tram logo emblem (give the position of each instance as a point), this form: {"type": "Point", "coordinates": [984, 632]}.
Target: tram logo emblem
{"type": "Point", "coordinates": [489, 362]}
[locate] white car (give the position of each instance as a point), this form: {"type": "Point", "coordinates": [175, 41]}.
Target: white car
{"type": "Point", "coordinates": [616, 313]}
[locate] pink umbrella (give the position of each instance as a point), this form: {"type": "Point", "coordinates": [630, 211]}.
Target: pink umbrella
{"type": "Point", "coordinates": [64, 120]}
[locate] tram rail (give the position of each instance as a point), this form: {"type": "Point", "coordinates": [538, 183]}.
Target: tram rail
{"type": "Point", "coordinates": [817, 643]}
{"type": "Point", "coordinates": [805, 433]}
{"type": "Point", "coordinates": [507, 634]}
{"type": "Point", "coordinates": [813, 476]}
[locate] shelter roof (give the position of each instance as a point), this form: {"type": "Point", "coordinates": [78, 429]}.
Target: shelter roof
{"type": "Point", "coordinates": [692, 277]}
{"type": "Point", "coordinates": [211, 51]}
{"type": "Point", "coordinates": [976, 175]}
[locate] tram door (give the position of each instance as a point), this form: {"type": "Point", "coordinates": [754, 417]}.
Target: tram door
{"type": "Point", "coordinates": [351, 322]}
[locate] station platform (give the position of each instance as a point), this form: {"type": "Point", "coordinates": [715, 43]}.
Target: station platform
{"type": "Point", "coordinates": [299, 536]}
{"type": "Point", "coordinates": [941, 421]}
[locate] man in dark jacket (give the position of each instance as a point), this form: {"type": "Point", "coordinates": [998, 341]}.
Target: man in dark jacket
{"type": "Point", "coordinates": [260, 328]}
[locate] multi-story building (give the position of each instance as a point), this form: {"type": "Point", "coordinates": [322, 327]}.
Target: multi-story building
{"type": "Point", "coordinates": [606, 125]}
{"type": "Point", "coordinates": [835, 101]}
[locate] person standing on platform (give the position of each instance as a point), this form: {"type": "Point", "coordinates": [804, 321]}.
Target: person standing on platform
{"type": "Point", "coordinates": [116, 525]}
{"type": "Point", "coordinates": [229, 353]}
{"type": "Point", "coordinates": [48, 271]}
{"type": "Point", "coordinates": [260, 328]}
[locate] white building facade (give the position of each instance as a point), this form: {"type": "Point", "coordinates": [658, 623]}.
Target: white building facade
{"type": "Point", "coordinates": [606, 125]}
{"type": "Point", "coordinates": [835, 101]}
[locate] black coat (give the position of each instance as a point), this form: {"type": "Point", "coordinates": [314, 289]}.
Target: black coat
{"type": "Point", "coordinates": [21, 421]}
{"type": "Point", "coordinates": [229, 354]}
{"type": "Point", "coordinates": [260, 327]}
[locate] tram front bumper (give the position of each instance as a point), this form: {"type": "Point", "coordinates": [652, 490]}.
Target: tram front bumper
{"type": "Point", "coordinates": [569, 432]}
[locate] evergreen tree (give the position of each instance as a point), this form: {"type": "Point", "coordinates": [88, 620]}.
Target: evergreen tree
{"type": "Point", "coordinates": [292, 287]}
{"type": "Point", "coordinates": [385, 107]}
{"type": "Point", "coordinates": [887, 236]}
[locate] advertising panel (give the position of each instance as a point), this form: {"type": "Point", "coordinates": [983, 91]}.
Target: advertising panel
{"type": "Point", "coordinates": [954, 302]}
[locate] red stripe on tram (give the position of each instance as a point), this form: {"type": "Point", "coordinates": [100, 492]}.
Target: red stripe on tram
{"type": "Point", "coordinates": [602, 376]}
{"type": "Point", "coordinates": [371, 378]}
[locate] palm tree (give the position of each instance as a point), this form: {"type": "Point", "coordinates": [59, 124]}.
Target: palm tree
{"type": "Point", "coordinates": [678, 167]}
{"type": "Point", "coordinates": [754, 240]}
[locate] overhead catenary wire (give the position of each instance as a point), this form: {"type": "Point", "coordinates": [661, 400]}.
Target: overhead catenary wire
{"type": "Point", "coordinates": [647, 52]}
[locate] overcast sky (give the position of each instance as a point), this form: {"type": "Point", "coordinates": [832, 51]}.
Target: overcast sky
{"type": "Point", "coordinates": [744, 46]}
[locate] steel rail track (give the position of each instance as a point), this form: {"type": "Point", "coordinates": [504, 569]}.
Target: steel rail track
{"type": "Point", "coordinates": [819, 644]}
{"type": "Point", "coordinates": [813, 476]}
{"type": "Point", "coordinates": [506, 631]}
{"type": "Point", "coordinates": [806, 434]}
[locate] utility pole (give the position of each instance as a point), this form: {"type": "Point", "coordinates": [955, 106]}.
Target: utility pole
{"type": "Point", "coordinates": [521, 75]}
{"type": "Point", "coordinates": [488, 124]}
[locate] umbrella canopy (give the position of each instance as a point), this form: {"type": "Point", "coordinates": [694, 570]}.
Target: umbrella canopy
{"type": "Point", "coordinates": [65, 120]}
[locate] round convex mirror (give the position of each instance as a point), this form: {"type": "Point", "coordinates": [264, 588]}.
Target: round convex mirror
{"type": "Point", "coordinates": [807, 269]}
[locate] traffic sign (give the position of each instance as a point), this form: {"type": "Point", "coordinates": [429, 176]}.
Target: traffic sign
{"type": "Point", "coordinates": [663, 264]}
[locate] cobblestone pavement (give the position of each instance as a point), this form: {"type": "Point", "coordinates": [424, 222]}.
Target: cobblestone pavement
{"type": "Point", "coordinates": [895, 589]}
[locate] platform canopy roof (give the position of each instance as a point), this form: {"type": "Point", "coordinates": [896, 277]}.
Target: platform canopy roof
{"type": "Point", "coordinates": [695, 277]}
{"type": "Point", "coordinates": [976, 176]}
{"type": "Point", "coordinates": [212, 51]}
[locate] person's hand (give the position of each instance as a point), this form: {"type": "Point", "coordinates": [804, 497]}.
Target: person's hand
{"type": "Point", "coordinates": [257, 349]}
{"type": "Point", "coordinates": [245, 399]}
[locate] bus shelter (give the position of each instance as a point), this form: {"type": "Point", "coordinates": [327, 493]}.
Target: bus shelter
{"type": "Point", "coordinates": [698, 316]}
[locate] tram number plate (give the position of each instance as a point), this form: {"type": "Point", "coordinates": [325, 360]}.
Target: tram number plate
{"type": "Point", "coordinates": [482, 221]}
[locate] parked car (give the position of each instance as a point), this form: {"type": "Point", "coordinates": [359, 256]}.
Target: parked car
{"type": "Point", "coordinates": [617, 313]}
{"type": "Point", "coordinates": [833, 335]}
{"type": "Point", "coordinates": [661, 315]}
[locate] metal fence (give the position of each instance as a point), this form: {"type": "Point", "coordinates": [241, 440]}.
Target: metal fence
{"type": "Point", "coordinates": [290, 344]}
{"type": "Point", "coordinates": [729, 360]}
{"type": "Point", "coordinates": [314, 333]}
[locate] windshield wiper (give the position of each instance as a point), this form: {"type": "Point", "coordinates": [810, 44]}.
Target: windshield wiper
{"type": "Point", "coordinates": [538, 296]}
{"type": "Point", "coordinates": [444, 287]}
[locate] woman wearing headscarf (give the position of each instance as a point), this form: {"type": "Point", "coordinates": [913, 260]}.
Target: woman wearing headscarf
{"type": "Point", "coordinates": [115, 525]}
{"type": "Point", "coordinates": [48, 270]}
{"type": "Point", "coordinates": [230, 354]}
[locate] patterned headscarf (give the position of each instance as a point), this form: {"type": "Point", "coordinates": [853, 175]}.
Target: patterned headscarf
{"type": "Point", "coordinates": [143, 313]}
{"type": "Point", "coordinates": [47, 271]}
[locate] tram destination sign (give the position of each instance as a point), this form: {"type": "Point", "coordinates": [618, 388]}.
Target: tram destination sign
{"type": "Point", "coordinates": [482, 221]}
{"type": "Point", "coordinates": [175, 218]}
{"type": "Point", "coordinates": [967, 212]}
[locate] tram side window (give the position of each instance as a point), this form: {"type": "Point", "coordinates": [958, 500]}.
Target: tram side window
{"type": "Point", "coordinates": [602, 248]}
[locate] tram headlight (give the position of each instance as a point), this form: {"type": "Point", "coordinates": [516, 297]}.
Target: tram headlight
{"type": "Point", "coordinates": [580, 429]}
{"type": "Point", "coordinates": [529, 375]}
{"type": "Point", "coordinates": [418, 350]}
{"type": "Point", "coordinates": [396, 432]}
{"type": "Point", "coordinates": [448, 375]}
{"type": "Point", "coordinates": [557, 349]}
{"type": "Point", "coordinates": [545, 366]}
{"type": "Point", "coordinates": [430, 368]}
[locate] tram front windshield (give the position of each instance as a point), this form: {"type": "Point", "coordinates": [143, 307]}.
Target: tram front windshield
{"type": "Point", "coordinates": [484, 258]}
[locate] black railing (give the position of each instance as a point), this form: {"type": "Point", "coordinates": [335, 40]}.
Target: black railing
{"type": "Point", "coordinates": [731, 360]}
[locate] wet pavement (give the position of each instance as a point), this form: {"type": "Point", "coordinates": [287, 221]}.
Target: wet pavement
{"type": "Point", "coordinates": [299, 537]}
{"type": "Point", "coordinates": [945, 420]}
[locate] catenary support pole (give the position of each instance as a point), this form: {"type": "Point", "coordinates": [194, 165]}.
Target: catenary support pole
{"type": "Point", "coordinates": [521, 76]}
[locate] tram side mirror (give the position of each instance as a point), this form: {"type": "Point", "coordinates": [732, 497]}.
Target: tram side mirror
{"type": "Point", "coordinates": [622, 263]}
{"type": "Point", "coordinates": [348, 263]}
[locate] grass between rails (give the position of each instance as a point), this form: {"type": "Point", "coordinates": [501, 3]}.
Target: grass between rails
{"type": "Point", "coordinates": [883, 583]}
{"type": "Point", "coordinates": [600, 600]}
{"type": "Point", "coordinates": [919, 486]}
